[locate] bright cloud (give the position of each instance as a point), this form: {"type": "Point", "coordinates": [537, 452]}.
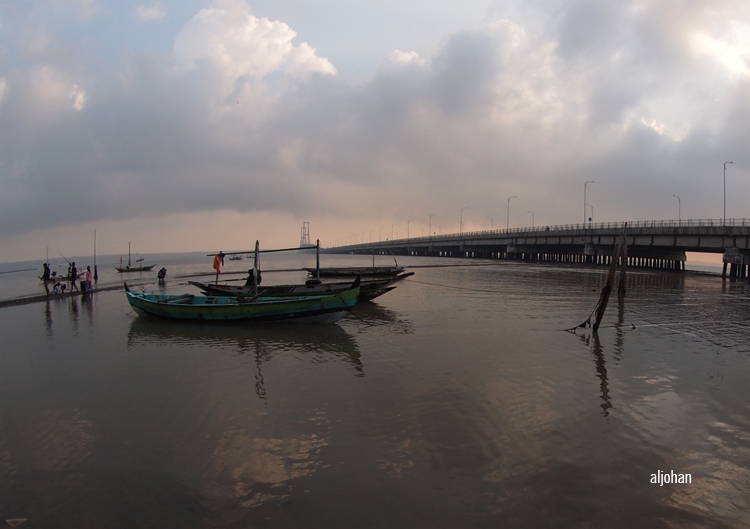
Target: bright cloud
{"type": "Point", "coordinates": [406, 57]}
{"type": "Point", "coordinates": [78, 97]}
{"type": "Point", "coordinates": [150, 13]}
{"type": "Point", "coordinates": [241, 44]}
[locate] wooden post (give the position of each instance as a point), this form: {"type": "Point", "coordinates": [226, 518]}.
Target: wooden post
{"type": "Point", "coordinates": [607, 290]}
{"type": "Point", "coordinates": [623, 262]}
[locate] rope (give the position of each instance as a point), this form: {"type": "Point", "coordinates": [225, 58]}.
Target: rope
{"type": "Point", "coordinates": [450, 286]}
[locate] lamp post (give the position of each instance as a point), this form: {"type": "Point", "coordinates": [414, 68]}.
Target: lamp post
{"type": "Point", "coordinates": [370, 236]}
{"type": "Point", "coordinates": [407, 228]}
{"type": "Point", "coordinates": [461, 221]}
{"type": "Point", "coordinates": [591, 218]}
{"type": "Point", "coordinates": [532, 217]}
{"type": "Point", "coordinates": [392, 225]}
{"type": "Point", "coordinates": [380, 234]}
{"type": "Point", "coordinates": [507, 220]}
{"type": "Point", "coordinates": [679, 208]}
{"type": "Point", "coordinates": [492, 223]}
{"type": "Point", "coordinates": [584, 200]}
{"type": "Point", "coordinates": [430, 232]}
{"type": "Point", "coordinates": [725, 192]}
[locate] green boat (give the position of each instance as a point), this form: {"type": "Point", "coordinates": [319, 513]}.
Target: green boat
{"type": "Point", "coordinates": [318, 309]}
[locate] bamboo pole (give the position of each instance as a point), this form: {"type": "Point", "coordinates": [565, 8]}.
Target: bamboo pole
{"type": "Point", "coordinates": [607, 290]}
{"type": "Point", "coordinates": [621, 291]}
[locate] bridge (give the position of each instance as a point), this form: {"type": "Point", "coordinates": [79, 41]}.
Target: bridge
{"type": "Point", "coordinates": [654, 244]}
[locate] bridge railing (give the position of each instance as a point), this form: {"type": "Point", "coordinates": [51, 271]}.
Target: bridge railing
{"type": "Point", "coordinates": [687, 223]}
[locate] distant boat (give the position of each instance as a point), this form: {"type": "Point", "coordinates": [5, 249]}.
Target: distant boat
{"type": "Point", "coordinates": [369, 289]}
{"type": "Point", "coordinates": [323, 309]}
{"type": "Point", "coordinates": [235, 258]}
{"type": "Point", "coordinates": [351, 271]}
{"type": "Point", "coordinates": [135, 268]}
{"type": "Point", "coordinates": [129, 268]}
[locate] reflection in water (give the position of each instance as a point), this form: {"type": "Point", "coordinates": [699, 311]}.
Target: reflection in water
{"type": "Point", "coordinates": [601, 368]}
{"type": "Point", "coordinates": [259, 467]}
{"type": "Point", "coordinates": [318, 343]}
{"type": "Point", "coordinates": [87, 300]}
{"type": "Point", "coordinates": [246, 466]}
{"type": "Point", "coordinates": [48, 319]}
{"type": "Point", "coordinates": [476, 410]}
{"type": "Point", "coordinates": [74, 313]}
{"type": "Point", "coordinates": [619, 338]}
{"type": "Point", "coordinates": [374, 315]}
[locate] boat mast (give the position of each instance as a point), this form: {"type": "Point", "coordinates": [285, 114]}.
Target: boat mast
{"type": "Point", "coordinates": [128, 255]}
{"type": "Point", "coordinates": [255, 269]}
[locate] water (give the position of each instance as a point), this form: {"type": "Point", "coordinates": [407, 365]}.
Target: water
{"type": "Point", "coordinates": [457, 400]}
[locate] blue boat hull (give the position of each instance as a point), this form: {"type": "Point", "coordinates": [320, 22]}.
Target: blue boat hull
{"type": "Point", "coordinates": [329, 308]}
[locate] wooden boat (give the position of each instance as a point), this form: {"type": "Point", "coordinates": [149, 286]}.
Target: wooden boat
{"type": "Point", "coordinates": [235, 258]}
{"type": "Point", "coordinates": [351, 271]}
{"type": "Point", "coordinates": [323, 309]}
{"type": "Point", "coordinates": [369, 288]}
{"type": "Point", "coordinates": [135, 268]}
{"type": "Point", "coordinates": [129, 268]}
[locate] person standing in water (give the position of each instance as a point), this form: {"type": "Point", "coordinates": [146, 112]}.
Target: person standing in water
{"type": "Point", "coordinates": [73, 276]}
{"type": "Point", "coordinates": [46, 276]}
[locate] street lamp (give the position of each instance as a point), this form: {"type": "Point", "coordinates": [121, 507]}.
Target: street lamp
{"type": "Point", "coordinates": [407, 228]}
{"type": "Point", "coordinates": [679, 208]}
{"type": "Point", "coordinates": [492, 223]}
{"type": "Point", "coordinates": [380, 234]}
{"type": "Point", "coordinates": [725, 192]}
{"type": "Point", "coordinates": [461, 221]}
{"type": "Point", "coordinates": [507, 220]}
{"type": "Point", "coordinates": [584, 200]}
{"type": "Point", "coordinates": [532, 217]}
{"type": "Point", "coordinates": [392, 225]}
{"type": "Point", "coordinates": [370, 236]}
{"type": "Point", "coordinates": [433, 215]}
{"type": "Point", "coordinates": [591, 218]}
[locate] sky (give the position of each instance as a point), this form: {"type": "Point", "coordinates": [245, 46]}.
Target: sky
{"type": "Point", "coordinates": [187, 125]}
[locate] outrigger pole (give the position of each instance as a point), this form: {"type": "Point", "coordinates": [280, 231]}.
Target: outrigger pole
{"type": "Point", "coordinates": [255, 269]}
{"type": "Point", "coordinates": [261, 251]}
{"type": "Point", "coordinates": [317, 260]}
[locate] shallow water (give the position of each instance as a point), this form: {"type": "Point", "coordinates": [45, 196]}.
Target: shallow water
{"type": "Point", "coordinates": [457, 400]}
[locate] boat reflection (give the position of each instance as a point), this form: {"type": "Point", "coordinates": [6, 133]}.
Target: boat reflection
{"type": "Point", "coordinates": [317, 343]}
{"type": "Point", "coordinates": [365, 315]}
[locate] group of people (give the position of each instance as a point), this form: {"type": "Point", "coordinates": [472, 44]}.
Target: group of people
{"type": "Point", "coordinates": [59, 286]}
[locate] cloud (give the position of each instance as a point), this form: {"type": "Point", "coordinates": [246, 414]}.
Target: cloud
{"type": "Point", "coordinates": [242, 45]}
{"type": "Point", "coordinates": [150, 13]}
{"type": "Point", "coordinates": [242, 117]}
